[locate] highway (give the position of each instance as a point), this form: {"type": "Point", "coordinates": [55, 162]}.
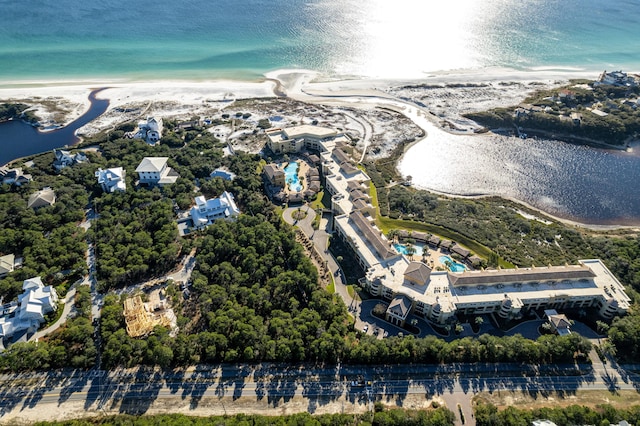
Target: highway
{"type": "Point", "coordinates": [276, 384]}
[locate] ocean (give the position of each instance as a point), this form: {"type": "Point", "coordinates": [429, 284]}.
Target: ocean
{"type": "Point", "coordinates": [42, 41]}
{"type": "Point", "coordinates": [243, 39]}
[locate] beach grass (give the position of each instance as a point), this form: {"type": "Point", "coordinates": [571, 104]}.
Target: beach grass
{"type": "Point", "coordinates": [386, 224]}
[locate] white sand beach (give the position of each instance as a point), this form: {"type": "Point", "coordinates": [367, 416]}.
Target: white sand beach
{"type": "Point", "coordinates": [444, 98]}
{"type": "Point", "coordinates": [68, 100]}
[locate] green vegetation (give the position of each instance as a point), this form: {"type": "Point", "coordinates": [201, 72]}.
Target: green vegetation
{"type": "Point", "coordinates": [49, 239]}
{"type": "Point", "coordinates": [488, 415]}
{"type": "Point", "coordinates": [71, 345]}
{"type": "Point", "coordinates": [621, 124]}
{"type": "Point", "coordinates": [255, 296]}
{"type": "Point", "coordinates": [135, 236]}
{"type": "Point", "coordinates": [437, 417]}
{"type": "Point", "coordinates": [16, 111]}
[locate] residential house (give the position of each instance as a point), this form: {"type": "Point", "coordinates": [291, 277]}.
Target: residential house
{"type": "Point", "coordinates": [14, 176]}
{"type": "Point", "coordinates": [150, 130]}
{"type": "Point", "coordinates": [65, 158]}
{"type": "Point", "coordinates": [205, 212]}
{"type": "Point", "coordinates": [44, 197]}
{"type": "Point", "coordinates": [112, 180]}
{"type": "Point", "coordinates": [617, 78]}
{"type": "Point", "coordinates": [7, 263]}
{"type": "Point", "coordinates": [29, 312]}
{"type": "Point", "coordinates": [154, 171]}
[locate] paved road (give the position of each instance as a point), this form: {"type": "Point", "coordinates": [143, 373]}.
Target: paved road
{"type": "Point", "coordinates": [320, 238]}
{"type": "Point", "coordinates": [276, 384]}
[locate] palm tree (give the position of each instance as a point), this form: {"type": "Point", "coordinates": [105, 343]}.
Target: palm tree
{"type": "Point", "coordinates": [479, 321]}
{"type": "Point", "coordinates": [411, 250]}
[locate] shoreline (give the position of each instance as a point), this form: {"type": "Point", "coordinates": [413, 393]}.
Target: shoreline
{"type": "Point", "coordinates": [299, 84]}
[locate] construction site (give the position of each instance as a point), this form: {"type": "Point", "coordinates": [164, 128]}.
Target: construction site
{"type": "Point", "coordinates": [141, 317]}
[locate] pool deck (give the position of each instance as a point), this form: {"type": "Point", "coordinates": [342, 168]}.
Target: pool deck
{"type": "Point", "coordinates": [433, 258]}
{"type": "Point", "coordinates": [303, 168]}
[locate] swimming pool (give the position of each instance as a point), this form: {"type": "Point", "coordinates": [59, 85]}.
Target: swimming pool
{"type": "Point", "coordinates": [291, 176]}
{"type": "Point", "coordinates": [452, 264]}
{"type": "Point", "coordinates": [402, 248]}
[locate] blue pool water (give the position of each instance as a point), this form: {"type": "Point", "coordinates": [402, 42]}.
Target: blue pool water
{"type": "Point", "coordinates": [402, 249]}
{"type": "Point", "coordinates": [453, 266]}
{"type": "Point", "coordinates": [291, 176]}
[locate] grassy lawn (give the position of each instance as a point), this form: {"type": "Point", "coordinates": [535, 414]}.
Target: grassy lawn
{"type": "Point", "coordinates": [352, 292]}
{"type": "Point", "coordinates": [320, 202]}
{"type": "Point", "coordinates": [331, 288]}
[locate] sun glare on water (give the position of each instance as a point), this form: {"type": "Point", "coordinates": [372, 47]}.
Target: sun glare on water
{"type": "Point", "coordinates": [406, 38]}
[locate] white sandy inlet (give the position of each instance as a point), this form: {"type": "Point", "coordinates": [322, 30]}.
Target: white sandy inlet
{"type": "Point", "coordinates": [62, 103]}
{"type": "Point", "coordinates": [59, 103]}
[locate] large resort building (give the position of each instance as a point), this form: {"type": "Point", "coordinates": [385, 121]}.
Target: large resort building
{"type": "Point", "coordinates": [412, 286]}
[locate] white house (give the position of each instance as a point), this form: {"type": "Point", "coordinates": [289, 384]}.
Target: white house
{"type": "Point", "coordinates": [205, 212]}
{"type": "Point", "coordinates": [28, 313]}
{"type": "Point", "coordinates": [65, 158]}
{"type": "Point", "coordinates": [112, 180]}
{"type": "Point", "coordinates": [154, 171]}
{"type": "Point", "coordinates": [150, 130]}
{"type": "Point", "coordinates": [617, 78]}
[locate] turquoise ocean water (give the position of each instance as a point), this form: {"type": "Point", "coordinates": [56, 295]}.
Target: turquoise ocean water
{"type": "Point", "coordinates": [197, 39]}
{"type": "Point", "coordinates": [243, 39]}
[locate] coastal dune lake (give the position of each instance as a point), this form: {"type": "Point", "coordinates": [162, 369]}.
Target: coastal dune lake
{"type": "Point", "coordinates": [579, 183]}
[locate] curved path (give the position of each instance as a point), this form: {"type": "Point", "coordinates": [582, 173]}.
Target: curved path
{"type": "Point", "coordinates": [66, 313]}
{"type": "Point", "coordinates": [320, 239]}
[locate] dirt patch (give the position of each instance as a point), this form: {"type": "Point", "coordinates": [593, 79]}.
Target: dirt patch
{"type": "Point", "coordinates": [589, 398]}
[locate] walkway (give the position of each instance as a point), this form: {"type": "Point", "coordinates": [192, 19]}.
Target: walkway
{"type": "Point", "coordinates": [66, 312]}
{"type": "Point", "coordinates": [320, 238]}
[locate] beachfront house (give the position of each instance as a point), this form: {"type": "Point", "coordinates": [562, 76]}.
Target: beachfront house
{"type": "Point", "coordinates": [154, 171]}
{"type": "Point", "coordinates": [205, 212]}
{"type": "Point", "coordinates": [43, 198]}
{"type": "Point", "coordinates": [112, 180]}
{"type": "Point", "coordinates": [150, 130]}
{"type": "Point", "coordinates": [65, 158]}
{"type": "Point", "coordinates": [29, 311]}
{"type": "Point", "coordinates": [617, 78]}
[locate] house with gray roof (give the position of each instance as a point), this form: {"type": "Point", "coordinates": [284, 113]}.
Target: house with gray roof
{"type": "Point", "coordinates": [43, 198]}
{"type": "Point", "coordinates": [154, 171]}
{"type": "Point", "coordinates": [64, 158]}
{"type": "Point", "coordinates": [14, 176]}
